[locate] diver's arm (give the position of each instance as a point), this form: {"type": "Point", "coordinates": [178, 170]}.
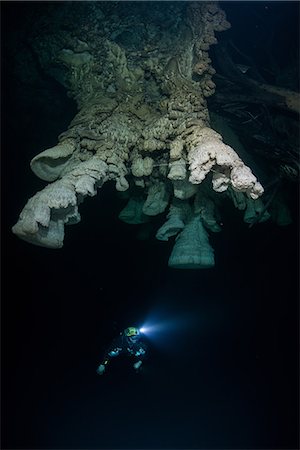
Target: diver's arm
{"type": "Point", "coordinates": [140, 356]}
{"type": "Point", "coordinates": [142, 351]}
{"type": "Point", "coordinates": [113, 350]}
{"type": "Point", "coordinates": [101, 368]}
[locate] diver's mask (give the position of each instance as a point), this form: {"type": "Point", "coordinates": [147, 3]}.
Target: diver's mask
{"type": "Point", "coordinates": [133, 334]}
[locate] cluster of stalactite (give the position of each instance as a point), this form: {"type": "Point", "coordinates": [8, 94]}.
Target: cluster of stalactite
{"type": "Point", "coordinates": [140, 79]}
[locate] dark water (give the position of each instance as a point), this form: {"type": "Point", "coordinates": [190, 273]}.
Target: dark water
{"type": "Point", "coordinates": [224, 375]}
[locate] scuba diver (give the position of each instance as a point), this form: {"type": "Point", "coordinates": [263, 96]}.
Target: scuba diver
{"type": "Point", "coordinates": [129, 342]}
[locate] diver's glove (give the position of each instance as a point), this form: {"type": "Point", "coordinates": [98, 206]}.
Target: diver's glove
{"type": "Point", "coordinates": [101, 369]}
{"type": "Point", "coordinates": [137, 365]}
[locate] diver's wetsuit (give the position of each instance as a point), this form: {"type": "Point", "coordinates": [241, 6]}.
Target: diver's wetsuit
{"type": "Point", "coordinates": [123, 345]}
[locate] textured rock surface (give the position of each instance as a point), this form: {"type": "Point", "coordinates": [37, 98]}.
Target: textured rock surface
{"type": "Point", "coordinates": [140, 77]}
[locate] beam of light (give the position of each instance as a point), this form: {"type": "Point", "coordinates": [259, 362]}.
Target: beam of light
{"type": "Point", "coordinates": [168, 330]}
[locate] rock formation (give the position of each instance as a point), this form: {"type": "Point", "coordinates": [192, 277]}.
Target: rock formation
{"type": "Point", "coordinates": [140, 77]}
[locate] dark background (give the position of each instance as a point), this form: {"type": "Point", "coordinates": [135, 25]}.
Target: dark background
{"type": "Point", "coordinates": [224, 375]}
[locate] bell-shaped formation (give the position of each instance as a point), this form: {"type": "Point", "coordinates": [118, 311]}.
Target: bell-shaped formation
{"type": "Point", "coordinates": [133, 211]}
{"type": "Point", "coordinates": [179, 214]}
{"type": "Point", "coordinates": [192, 249]}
